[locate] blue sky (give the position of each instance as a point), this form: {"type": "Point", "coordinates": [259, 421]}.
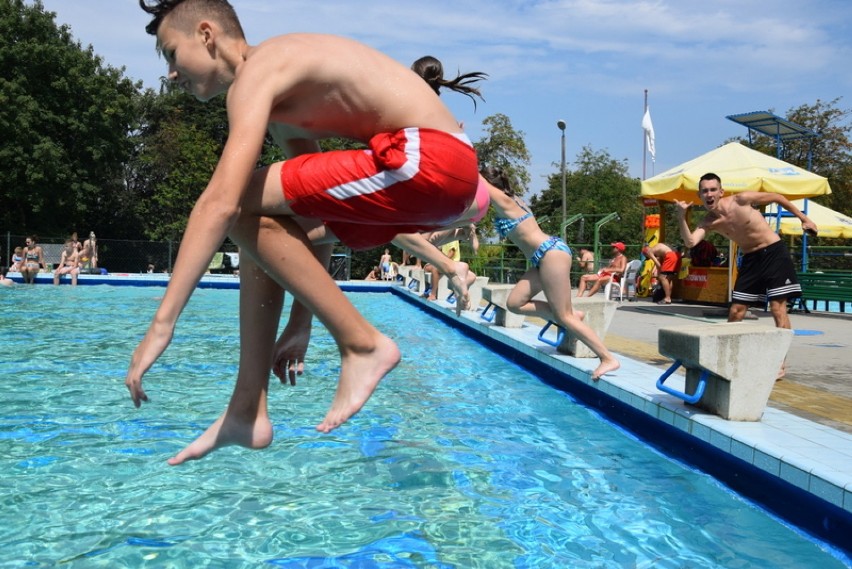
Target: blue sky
{"type": "Point", "coordinates": [586, 62]}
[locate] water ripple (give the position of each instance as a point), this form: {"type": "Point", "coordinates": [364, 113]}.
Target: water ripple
{"type": "Point", "coordinates": [460, 459]}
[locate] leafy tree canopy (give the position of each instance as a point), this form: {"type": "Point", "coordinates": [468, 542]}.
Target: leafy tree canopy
{"type": "Point", "coordinates": [598, 185]}
{"type": "Point", "coordinates": [828, 154]}
{"type": "Point", "coordinates": [65, 119]}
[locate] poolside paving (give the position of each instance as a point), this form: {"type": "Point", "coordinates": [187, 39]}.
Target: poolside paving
{"type": "Point", "coordinates": [818, 383]}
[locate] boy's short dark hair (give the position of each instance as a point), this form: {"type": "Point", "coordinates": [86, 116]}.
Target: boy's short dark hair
{"type": "Point", "coordinates": [188, 12]}
{"type": "Point", "coordinates": [710, 176]}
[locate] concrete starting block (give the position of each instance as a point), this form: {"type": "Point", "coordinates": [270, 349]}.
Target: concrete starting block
{"type": "Point", "coordinates": [730, 368]}
{"type": "Point", "coordinates": [599, 314]}
{"type": "Point", "coordinates": [444, 291]}
{"type": "Point", "coordinates": [475, 291]}
{"type": "Point", "coordinates": [416, 280]}
{"type": "Point", "coordinates": [495, 311]}
{"type": "Point", "coordinates": [404, 271]}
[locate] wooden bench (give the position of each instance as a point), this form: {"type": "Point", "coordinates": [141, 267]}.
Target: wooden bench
{"type": "Point", "coordinates": [824, 287]}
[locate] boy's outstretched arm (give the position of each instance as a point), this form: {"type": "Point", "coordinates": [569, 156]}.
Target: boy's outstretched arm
{"type": "Point", "coordinates": [690, 238]}
{"type": "Point", "coordinates": [212, 217]}
{"type": "Point", "coordinates": [766, 198]}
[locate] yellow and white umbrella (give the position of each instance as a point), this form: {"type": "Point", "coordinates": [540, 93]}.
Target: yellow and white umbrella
{"type": "Point", "coordinates": [741, 170]}
{"type": "Point", "coordinates": [832, 224]}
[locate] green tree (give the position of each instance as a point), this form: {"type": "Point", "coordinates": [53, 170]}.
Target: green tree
{"type": "Point", "coordinates": [830, 151]}
{"type": "Point", "coordinates": [503, 146]}
{"type": "Point", "coordinates": [599, 185]}
{"type": "Point", "coordinates": [65, 119]}
{"type": "Point", "coordinates": [178, 144]}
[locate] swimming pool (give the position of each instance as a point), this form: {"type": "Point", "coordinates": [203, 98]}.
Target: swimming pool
{"type": "Point", "coordinates": [460, 459]}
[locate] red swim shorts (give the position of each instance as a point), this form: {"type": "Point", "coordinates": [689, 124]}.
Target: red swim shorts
{"type": "Point", "coordinates": [408, 181]}
{"type": "Point", "coordinates": [670, 262]}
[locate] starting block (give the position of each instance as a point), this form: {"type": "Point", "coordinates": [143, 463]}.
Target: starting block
{"type": "Point", "coordinates": [496, 296]}
{"type": "Point", "coordinates": [475, 291]}
{"type": "Point", "coordinates": [599, 313]}
{"type": "Point", "coordinates": [404, 271]}
{"type": "Point", "coordinates": [731, 368]}
{"type": "Point", "coordinates": [416, 280]}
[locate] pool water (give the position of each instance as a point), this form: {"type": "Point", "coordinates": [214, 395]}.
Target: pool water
{"type": "Point", "coordinates": [460, 459]}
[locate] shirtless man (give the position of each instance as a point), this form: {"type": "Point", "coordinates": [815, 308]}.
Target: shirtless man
{"type": "Point", "coordinates": [665, 260]}
{"type": "Point", "coordinates": [615, 269]}
{"type": "Point", "coordinates": [586, 261]}
{"type": "Point", "coordinates": [68, 263]}
{"type": "Point", "coordinates": [766, 270]}
{"type": "Point", "coordinates": [385, 265]}
{"type": "Point", "coordinates": [419, 174]}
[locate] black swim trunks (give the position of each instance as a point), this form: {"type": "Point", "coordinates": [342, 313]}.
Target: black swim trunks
{"type": "Point", "coordinates": [767, 273]}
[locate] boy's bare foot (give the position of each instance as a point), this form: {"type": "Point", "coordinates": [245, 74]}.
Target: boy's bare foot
{"type": "Point", "coordinates": [360, 374]}
{"type": "Point", "coordinates": [607, 365]}
{"type": "Point", "coordinates": [459, 281]}
{"type": "Point", "coordinates": [782, 372]}
{"type": "Point", "coordinates": [227, 430]}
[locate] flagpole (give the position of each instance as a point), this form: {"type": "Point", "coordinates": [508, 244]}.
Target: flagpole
{"type": "Point", "coordinates": [644, 146]}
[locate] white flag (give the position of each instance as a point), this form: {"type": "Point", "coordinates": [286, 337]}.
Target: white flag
{"type": "Point", "coordinates": [649, 134]}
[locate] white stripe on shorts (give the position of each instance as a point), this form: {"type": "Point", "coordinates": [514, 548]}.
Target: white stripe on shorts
{"type": "Point", "coordinates": [381, 180]}
{"type": "Point", "coordinates": [746, 298]}
{"type": "Point", "coordinates": [785, 290]}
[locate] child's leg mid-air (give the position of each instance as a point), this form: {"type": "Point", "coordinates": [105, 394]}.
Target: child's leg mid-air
{"type": "Point", "coordinates": [282, 249]}
{"type": "Point", "coordinates": [550, 277]}
{"type": "Point", "coordinates": [246, 422]}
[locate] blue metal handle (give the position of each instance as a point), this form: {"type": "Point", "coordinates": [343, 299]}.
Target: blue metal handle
{"type": "Point", "coordinates": [413, 283]}
{"type": "Point", "coordinates": [560, 334]}
{"type": "Point", "coordinates": [691, 399]}
{"type": "Point", "coordinates": [485, 315]}
{"type": "Point", "coordinates": [452, 298]}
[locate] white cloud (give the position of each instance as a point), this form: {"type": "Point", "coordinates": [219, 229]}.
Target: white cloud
{"type": "Point", "coordinates": [587, 61]}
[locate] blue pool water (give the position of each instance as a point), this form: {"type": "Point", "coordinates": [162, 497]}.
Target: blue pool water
{"type": "Point", "coordinates": [460, 459]}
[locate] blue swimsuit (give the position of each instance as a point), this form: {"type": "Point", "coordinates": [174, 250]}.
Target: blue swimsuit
{"type": "Point", "coordinates": [549, 245]}
{"type": "Point", "coordinates": [505, 226]}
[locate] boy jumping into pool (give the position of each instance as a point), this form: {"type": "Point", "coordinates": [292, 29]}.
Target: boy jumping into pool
{"type": "Point", "coordinates": [420, 173]}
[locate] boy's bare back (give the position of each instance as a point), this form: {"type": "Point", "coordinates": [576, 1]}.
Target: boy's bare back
{"type": "Point", "coordinates": [319, 88]}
